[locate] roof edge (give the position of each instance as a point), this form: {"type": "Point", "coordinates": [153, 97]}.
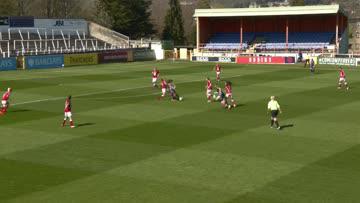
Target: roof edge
{"type": "Point", "coordinates": [270, 11]}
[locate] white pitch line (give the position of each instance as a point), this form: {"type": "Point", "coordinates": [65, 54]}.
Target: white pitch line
{"type": "Point", "coordinates": [126, 97]}
{"type": "Point", "coordinates": [80, 95]}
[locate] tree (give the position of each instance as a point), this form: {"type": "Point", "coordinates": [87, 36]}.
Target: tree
{"type": "Point", "coordinates": [8, 8]}
{"type": "Point", "coordinates": [174, 25]}
{"type": "Point", "coordinates": [101, 16]}
{"type": "Point", "coordinates": [203, 4]}
{"type": "Point", "coordinates": [129, 17]}
{"type": "Point", "coordinates": [297, 3]}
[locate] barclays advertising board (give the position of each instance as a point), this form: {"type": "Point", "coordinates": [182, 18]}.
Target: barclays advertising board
{"type": "Point", "coordinates": [7, 64]}
{"type": "Point", "coordinates": [46, 61]}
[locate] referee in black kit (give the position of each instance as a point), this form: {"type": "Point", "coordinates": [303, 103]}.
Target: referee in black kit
{"type": "Point", "coordinates": [274, 108]}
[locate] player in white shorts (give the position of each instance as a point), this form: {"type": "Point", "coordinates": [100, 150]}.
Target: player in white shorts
{"type": "Point", "coordinates": [155, 75]}
{"type": "Point", "coordinates": [164, 87]}
{"type": "Point", "coordinates": [208, 89]}
{"type": "Point", "coordinates": [342, 79]}
{"type": "Point", "coordinates": [67, 113]}
{"type": "Point", "coordinates": [5, 101]}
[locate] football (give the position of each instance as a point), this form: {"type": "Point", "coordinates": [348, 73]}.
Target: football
{"type": "Point", "coordinates": [181, 98]}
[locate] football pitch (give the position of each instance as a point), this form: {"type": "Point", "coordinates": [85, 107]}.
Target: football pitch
{"type": "Point", "coordinates": [130, 147]}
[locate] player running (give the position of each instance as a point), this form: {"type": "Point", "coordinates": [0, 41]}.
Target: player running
{"type": "Point", "coordinates": [155, 75]}
{"type": "Point", "coordinates": [172, 89]}
{"type": "Point", "coordinates": [164, 87]}
{"type": "Point", "coordinates": [67, 112]}
{"type": "Point", "coordinates": [220, 97]}
{"type": "Point", "coordinates": [229, 97]}
{"type": "Point", "coordinates": [208, 89]}
{"type": "Point", "coordinates": [342, 79]}
{"type": "Point", "coordinates": [5, 101]}
{"type": "Point", "coordinates": [274, 108]}
{"type": "Point", "coordinates": [218, 69]}
{"type": "Point", "coordinates": [312, 66]}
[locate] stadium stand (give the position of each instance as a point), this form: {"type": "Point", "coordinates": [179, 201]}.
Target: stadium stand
{"type": "Point", "coordinates": [297, 40]}
{"type": "Point", "coordinates": [320, 28]}
{"type": "Point", "coordinates": [24, 37]}
{"type": "Point", "coordinates": [226, 41]}
{"type": "Point", "coordinates": [271, 40]}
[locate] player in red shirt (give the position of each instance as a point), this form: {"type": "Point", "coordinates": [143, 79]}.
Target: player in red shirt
{"type": "Point", "coordinates": [229, 97]}
{"type": "Point", "coordinates": [155, 75]}
{"type": "Point", "coordinates": [218, 72]}
{"type": "Point", "coordinates": [5, 101]}
{"type": "Point", "coordinates": [208, 89]}
{"type": "Point", "coordinates": [164, 87]}
{"type": "Point", "coordinates": [342, 79]}
{"type": "Point", "coordinates": [67, 112]}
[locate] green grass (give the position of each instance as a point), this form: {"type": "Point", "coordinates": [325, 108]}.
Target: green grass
{"type": "Point", "coordinates": [131, 147]}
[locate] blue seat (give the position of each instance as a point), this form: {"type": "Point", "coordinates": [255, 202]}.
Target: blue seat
{"type": "Point", "coordinates": [230, 40]}
{"type": "Point", "coordinates": [271, 40]}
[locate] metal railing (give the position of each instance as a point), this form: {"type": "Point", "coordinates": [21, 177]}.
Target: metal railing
{"type": "Point", "coordinates": [4, 53]}
{"type": "Point", "coordinates": [48, 46]}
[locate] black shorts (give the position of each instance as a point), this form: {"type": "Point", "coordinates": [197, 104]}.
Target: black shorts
{"type": "Point", "coordinates": [274, 113]}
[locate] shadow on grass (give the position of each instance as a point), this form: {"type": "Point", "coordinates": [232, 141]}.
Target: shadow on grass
{"type": "Point", "coordinates": [85, 124]}
{"type": "Point", "coordinates": [20, 110]}
{"type": "Point", "coordinates": [287, 126]}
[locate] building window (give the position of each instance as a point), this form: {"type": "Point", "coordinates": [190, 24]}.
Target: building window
{"type": "Point", "coordinates": [357, 35]}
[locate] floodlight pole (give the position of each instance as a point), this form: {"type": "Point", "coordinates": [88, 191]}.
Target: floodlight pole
{"type": "Point", "coordinates": [337, 33]}
{"type": "Point", "coordinates": [197, 33]}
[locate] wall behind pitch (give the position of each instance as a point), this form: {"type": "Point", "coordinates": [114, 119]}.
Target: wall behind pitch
{"type": "Point", "coordinates": [144, 55]}
{"type": "Point", "coordinates": [44, 61]}
{"type": "Point", "coordinates": [7, 64]}
{"type": "Point", "coordinates": [81, 59]}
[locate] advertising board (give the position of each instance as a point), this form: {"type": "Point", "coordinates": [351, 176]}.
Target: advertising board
{"type": "Point", "coordinates": [7, 64]}
{"type": "Point", "coordinates": [80, 59]}
{"type": "Point", "coordinates": [44, 61]}
{"type": "Point", "coordinates": [338, 61]}
{"type": "Point", "coordinates": [265, 60]}
{"type": "Point", "coordinates": [63, 24]}
{"type": "Point", "coordinates": [113, 57]}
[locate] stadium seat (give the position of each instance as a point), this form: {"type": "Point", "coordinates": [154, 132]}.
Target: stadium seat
{"type": "Point", "coordinates": [271, 40]}
{"type": "Point", "coordinates": [231, 40]}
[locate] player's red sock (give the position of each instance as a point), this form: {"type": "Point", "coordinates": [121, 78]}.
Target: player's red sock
{"type": "Point", "coordinates": [71, 123]}
{"type": "Point", "coordinates": [64, 122]}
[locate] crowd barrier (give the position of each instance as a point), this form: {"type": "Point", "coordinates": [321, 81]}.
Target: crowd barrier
{"type": "Point", "coordinates": [7, 64]}
{"type": "Point", "coordinates": [265, 60]}
{"type": "Point", "coordinates": [339, 61]}
{"type": "Point", "coordinates": [45, 61]}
